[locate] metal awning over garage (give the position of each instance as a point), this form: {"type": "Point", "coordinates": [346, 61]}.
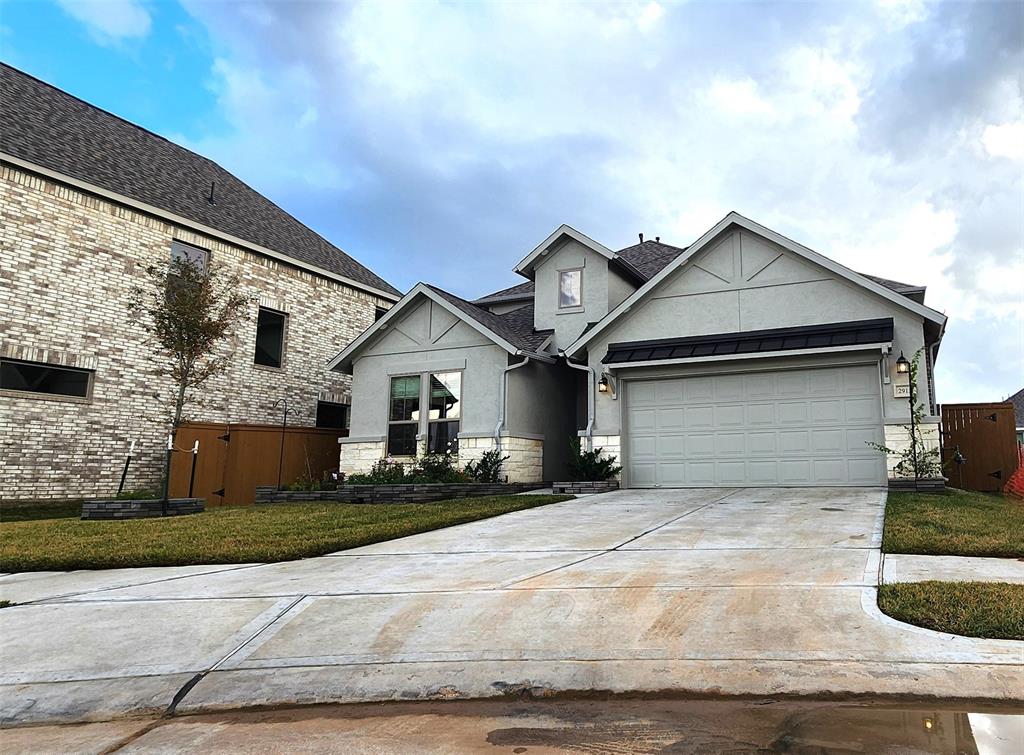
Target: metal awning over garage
{"type": "Point", "coordinates": [840, 335]}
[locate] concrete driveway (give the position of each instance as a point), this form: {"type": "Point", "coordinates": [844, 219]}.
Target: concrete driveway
{"type": "Point", "coordinates": [750, 591]}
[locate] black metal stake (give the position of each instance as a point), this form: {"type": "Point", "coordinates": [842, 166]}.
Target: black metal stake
{"type": "Point", "coordinates": [192, 474]}
{"type": "Point", "coordinates": [284, 425]}
{"type": "Point", "coordinates": [124, 472]}
{"type": "Point", "coordinates": [167, 474]}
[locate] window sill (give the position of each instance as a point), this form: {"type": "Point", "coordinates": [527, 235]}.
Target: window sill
{"type": "Point", "coordinates": [570, 310]}
{"type": "Point", "coordinates": [47, 397]}
{"type": "Point", "coordinates": [268, 368]}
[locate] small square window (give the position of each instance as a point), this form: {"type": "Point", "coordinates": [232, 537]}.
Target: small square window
{"type": "Point", "coordinates": [570, 288]}
{"type": "Point", "coordinates": [182, 252]}
{"type": "Point", "coordinates": [270, 332]}
{"type": "Point", "coordinates": [379, 312]}
{"type": "Point", "coordinates": [332, 415]}
{"type": "Point", "coordinates": [47, 379]}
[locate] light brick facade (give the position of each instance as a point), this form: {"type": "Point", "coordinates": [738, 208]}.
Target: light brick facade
{"type": "Point", "coordinates": [68, 261]}
{"type": "Point", "coordinates": [526, 456]}
{"type": "Point", "coordinates": [358, 456]}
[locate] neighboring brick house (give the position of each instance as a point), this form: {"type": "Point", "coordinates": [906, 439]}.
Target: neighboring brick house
{"type": "Point", "coordinates": [87, 201]}
{"type": "Point", "coordinates": [1017, 400]}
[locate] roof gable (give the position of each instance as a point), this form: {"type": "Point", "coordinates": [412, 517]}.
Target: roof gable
{"type": "Point", "coordinates": [707, 242]}
{"type": "Point", "coordinates": [513, 332]}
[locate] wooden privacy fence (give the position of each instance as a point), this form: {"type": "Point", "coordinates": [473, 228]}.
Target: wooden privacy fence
{"type": "Point", "coordinates": [985, 436]}
{"type": "Point", "coordinates": [234, 458]}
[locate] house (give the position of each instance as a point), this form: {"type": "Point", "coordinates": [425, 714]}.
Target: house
{"type": "Point", "coordinates": [743, 359]}
{"type": "Point", "coordinates": [1017, 400]}
{"type": "Point", "coordinates": [88, 200]}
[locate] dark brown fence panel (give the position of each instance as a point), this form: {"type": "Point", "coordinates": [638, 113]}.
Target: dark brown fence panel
{"type": "Point", "coordinates": [255, 451]}
{"type": "Point", "coordinates": [986, 437]}
{"type": "Point", "coordinates": [210, 462]}
{"type": "Point", "coordinates": [233, 459]}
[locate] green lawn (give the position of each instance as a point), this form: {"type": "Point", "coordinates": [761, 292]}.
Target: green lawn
{"type": "Point", "coordinates": [60, 510]}
{"type": "Point", "coordinates": [231, 535]}
{"type": "Point", "coordinates": [974, 609]}
{"type": "Point", "coordinates": [959, 523]}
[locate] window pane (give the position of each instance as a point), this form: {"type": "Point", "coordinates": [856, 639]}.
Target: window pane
{"type": "Point", "coordinates": [441, 438]}
{"type": "Point", "coordinates": [330, 414]}
{"type": "Point", "coordinates": [570, 288]}
{"type": "Point", "coordinates": [44, 378]}
{"type": "Point", "coordinates": [269, 338]}
{"type": "Point", "coordinates": [185, 253]}
{"type": "Point", "coordinates": [402, 440]}
{"type": "Point", "coordinates": [445, 395]}
{"type": "Point", "coordinates": [378, 313]}
{"type": "Point", "coordinates": [405, 398]}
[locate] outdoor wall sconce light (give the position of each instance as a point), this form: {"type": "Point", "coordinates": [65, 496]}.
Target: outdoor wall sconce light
{"type": "Point", "coordinates": [606, 384]}
{"type": "Point", "coordinates": [902, 365]}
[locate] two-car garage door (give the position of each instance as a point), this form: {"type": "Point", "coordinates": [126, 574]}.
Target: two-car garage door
{"type": "Point", "coordinates": [790, 427]}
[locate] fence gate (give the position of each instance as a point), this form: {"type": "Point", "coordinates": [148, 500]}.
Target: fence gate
{"type": "Point", "coordinates": [234, 458]}
{"type": "Point", "coordinates": [986, 437]}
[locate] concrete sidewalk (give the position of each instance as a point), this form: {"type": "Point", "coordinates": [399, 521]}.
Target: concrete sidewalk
{"type": "Point", "coordinates": [752, 591]}
{"type": "Point", "coordinates": [908, 568]}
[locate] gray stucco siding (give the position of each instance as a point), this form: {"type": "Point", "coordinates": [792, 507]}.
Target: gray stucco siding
{"type": "Point", "coordinates": [568, 324]}
{"type": "Point", "coordinates": [426, 341]}
{"type": "Point", "coordinates": [541, 402]}
{"type": "Point", "coordinates": [746, 283]}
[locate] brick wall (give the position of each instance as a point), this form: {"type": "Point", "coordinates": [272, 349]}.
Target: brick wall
{"type": "Point", "coordinates": [67, 263]}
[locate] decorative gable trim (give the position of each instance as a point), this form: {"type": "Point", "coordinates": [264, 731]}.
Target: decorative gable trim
{"type": "Point", "coordinates": [735, 219]}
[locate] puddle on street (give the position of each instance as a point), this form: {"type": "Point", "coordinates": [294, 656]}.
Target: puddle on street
{"type": "Point", "coordinates": [591, 726]}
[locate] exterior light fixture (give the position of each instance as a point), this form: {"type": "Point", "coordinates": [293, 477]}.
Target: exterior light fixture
{"type": "Point", "coordinates": [902, 365]}
{"type": "Point", "coordinates": [602, 387]}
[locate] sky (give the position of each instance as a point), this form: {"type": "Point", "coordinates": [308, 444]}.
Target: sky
{"type": "Point", "coordinates": [442, 141]}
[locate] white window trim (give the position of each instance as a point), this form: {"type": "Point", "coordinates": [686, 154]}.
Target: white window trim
{"type": "Point", "coordinates": [558, 292]}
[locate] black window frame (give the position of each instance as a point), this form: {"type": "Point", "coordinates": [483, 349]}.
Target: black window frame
{"type": "Point", "coordinates": [379, 312]}
{"type": "Point", "coordinates": [398, 429]}
{"type": "Point", "coordinates": [81, 397]}
{"type": "Point", "coordinates": [190, 252]}
{"type": "Point", "coordinates": [284, 338]}
{"type": "Point", "coordinates": [321, 420]}
{"type": "Point", "coordinates": [451, 442]}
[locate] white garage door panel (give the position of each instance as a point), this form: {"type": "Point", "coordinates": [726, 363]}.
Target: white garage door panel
{"type": "Point", "coordinates": [806, 427]}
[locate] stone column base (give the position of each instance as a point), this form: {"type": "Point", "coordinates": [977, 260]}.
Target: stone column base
{"type": "Point", "coordinates": [358, 456]}
{"type": "Point", "coordinates": [897, 437]}
{"type": "Point", "coordinates": [610, 445]}
{"type": "Point", "coordinates": [526, 456]}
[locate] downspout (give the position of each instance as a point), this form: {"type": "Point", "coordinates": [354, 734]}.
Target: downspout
{"type": "Point", "coordinates": [504, 400]}
{"type": "Point", "coordinates": [592, 389]}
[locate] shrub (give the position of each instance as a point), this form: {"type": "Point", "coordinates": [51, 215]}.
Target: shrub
{"type": "Point", "coordinates": [488, 467]}
{"type": "Point", "coordinates": [384, 472]}
{"type": "Point", "coordinates": [437, 468]}
{"type": "Point", "coordinates": [328, 482]}
{"type": "Point", "coordinates": [590, 465]}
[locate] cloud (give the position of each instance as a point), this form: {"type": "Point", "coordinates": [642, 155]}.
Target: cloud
{"type": "Point", "coordinates": [442, 141]}
{"type": "Point", "coordinates": [110, 21]}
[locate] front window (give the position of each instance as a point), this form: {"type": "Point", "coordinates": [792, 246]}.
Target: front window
{"type": "Point", "coordinates": [445, 412]}
{"type": "Point", "coordinates": [570, 288]}
{"type": "Point", "coordinates": [46, 379]}
{"type": "Point", "coordinates": [403, 415]}
{"type": "Point", "coordinates": [270, 326]}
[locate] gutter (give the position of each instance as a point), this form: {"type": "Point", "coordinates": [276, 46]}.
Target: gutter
{"type": "Point", "coordinates": [589, 432]}
{"type": "Point", "coordinates": [504, 400]}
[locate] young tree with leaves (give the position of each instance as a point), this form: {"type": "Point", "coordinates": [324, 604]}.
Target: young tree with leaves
{"type": "Point", "coordinates": [189, 310]}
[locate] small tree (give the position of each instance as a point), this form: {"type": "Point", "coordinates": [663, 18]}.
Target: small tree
{"type": "Point", "coordinates": [927, 462]}
{"type": "Point", "coordinates": [188, 311]}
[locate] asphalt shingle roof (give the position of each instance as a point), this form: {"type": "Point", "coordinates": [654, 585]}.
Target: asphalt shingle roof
{"type": "Point", "coordinates": [516, 327]}
{"type": "Point", "coordinates": [50, 128]}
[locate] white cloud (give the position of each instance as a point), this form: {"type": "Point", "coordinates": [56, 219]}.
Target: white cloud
{"type": "Point", "coordinates": [1006, 140]}
{"type": "Point", "coordinates": [110, 21]}
{"type": "Point", "coordinates": [466, 133]}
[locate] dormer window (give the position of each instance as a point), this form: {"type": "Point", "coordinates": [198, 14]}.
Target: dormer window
{"type": "Point", "coordinates": [570, 288]}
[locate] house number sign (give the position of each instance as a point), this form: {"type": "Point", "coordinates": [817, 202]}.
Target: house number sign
{"type": "Point", "coordinates": [901, 390]}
